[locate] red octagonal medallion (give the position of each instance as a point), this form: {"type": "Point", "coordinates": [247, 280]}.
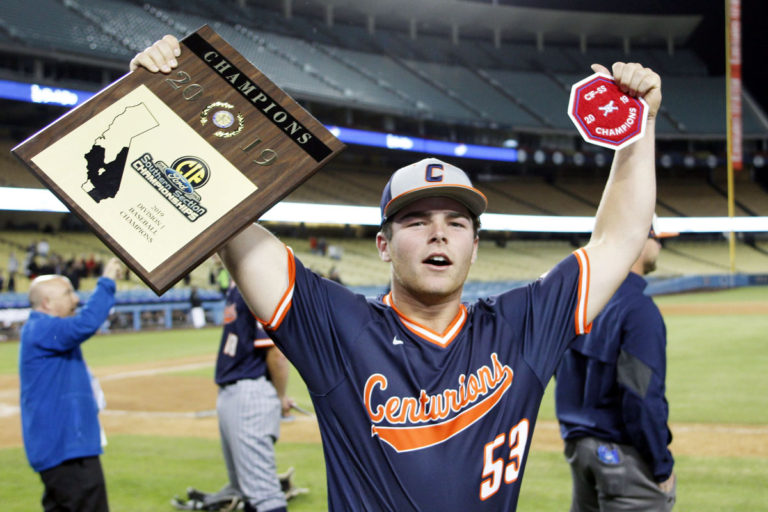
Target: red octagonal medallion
{"type": "Point", "coordinates": [604, 115]}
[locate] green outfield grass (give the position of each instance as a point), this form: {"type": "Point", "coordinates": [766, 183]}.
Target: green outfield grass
{"type": "Point", "coordinates": [132, 347]}
{"type": "Point", "coordinates": [742, 294]}
{"type": "Point", "coordinates": [705, 484]}
{"type": "Point", "coordinates": [716, 374]}
{"type": "Point", "coordinates": [716, 369]}
{"type": "Point", "coordinates": [144, 472]}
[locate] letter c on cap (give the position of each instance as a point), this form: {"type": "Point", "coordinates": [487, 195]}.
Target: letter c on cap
{"type": "Point", "coordinates": [431, 176]}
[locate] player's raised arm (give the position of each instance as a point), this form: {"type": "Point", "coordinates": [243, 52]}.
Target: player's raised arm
{"type": "Point", "coordinates": [255, 258]}
{"type": "Point", "coordinates": [626, 208]}
{"type": "Point", "coordinates": [258, 262]}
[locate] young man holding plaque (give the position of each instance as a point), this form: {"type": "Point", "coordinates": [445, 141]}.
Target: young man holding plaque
{"type": "Point", "coordinates": [426, 403]}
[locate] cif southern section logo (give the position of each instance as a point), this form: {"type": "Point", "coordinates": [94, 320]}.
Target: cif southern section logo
{"type": "Point", "coordinates": [220, 114]}
{"type": "Point", "coordinates": [177, 183]}
{"type": "Point", "coordinates": [187, 174]}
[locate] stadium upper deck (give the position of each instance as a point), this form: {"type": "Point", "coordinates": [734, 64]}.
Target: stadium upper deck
{"type": "Point", "coordinates": [458, 78]}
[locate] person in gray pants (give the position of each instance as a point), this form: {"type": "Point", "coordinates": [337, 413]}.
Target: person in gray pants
{"type": "Point", "coordinates": [611, 404]}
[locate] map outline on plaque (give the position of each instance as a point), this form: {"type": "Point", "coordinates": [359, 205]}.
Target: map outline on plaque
{"type": "Point", "coordinates": [148, 196]}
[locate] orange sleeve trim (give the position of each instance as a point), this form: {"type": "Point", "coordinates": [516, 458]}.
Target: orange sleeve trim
{"type": "Point", "coordinates": [263, 343]}
{"type": "Point", "coordinates": [285, 302]}
{"type": "Point", "coordinates": [580, 318]}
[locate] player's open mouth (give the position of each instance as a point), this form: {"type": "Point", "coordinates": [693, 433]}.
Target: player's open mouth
{"type": "Point", "coordinates": [438, 260]}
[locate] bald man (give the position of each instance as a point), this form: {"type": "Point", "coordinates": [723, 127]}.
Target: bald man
{"type": "Point", "coordinates": [59, 414]}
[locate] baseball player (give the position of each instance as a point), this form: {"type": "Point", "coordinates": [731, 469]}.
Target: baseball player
{"type": "Point", "coordinates": [426, 403]}
{"type": "Point", "coordinates": [611, 405]}
{"type": "Point", "coordinates": [252, 375]}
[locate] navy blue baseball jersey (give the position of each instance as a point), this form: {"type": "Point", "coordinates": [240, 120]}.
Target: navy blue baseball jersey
{"type": "Point", "coordinates": [241, 338]}
{"type": "Point", "coordinates": [610, 384]}
{"type": "Point", "coordinates": [412, 419]}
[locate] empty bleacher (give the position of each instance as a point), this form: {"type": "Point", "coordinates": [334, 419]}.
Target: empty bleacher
{"type": "Point", "coordinates": [50, 24]}
{"type": "Point", "coordinates": [480, 93]}
{"type": "Point", "coordinates": [749, 195]}
{"type": "Point", "coordinates": [685, 257]}
{"type": "Point", "coordinates": [387, 71]}
{"type": "Point", "coordinates": [692, 198]}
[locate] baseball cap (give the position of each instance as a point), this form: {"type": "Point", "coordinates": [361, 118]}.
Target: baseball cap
{"type": "Point", "coordinates": [656, 233]}
{"type": "Point", "coordinates": [430, 178]}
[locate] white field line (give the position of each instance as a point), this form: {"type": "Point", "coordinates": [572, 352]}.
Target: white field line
{"type": "Point", "coordinates": [155, 371]}
{"type": "Point", "coordinates": [7, 410]}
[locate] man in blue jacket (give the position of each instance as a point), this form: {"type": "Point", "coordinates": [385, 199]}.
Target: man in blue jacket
{"type": "Point", "coordinates": [59, 414]}
{"type": "Point", "coordinates": [611, 406]}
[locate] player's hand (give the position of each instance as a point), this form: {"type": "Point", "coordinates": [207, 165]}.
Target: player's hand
{"type": "Point", "coordinates": [161, 56]}
{"type": "Point", "coordinates": [636, 80]}
{"type": "Point", "coordinates": [668, 484]}
{"type": "Point", "coordinates": [286, 403]}
{"type": "Point", "coordinates": [114, 269]}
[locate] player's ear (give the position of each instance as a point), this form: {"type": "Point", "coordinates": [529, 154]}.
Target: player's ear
{"type": "Point", "coordinates": [382, 244]}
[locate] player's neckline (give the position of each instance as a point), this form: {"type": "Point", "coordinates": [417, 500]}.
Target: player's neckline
{"type": "Point", "coordinates": [441, 339]}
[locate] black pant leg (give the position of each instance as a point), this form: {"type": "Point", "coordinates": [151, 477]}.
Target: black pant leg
{"type": "Point", "coordinates": [75, 485]}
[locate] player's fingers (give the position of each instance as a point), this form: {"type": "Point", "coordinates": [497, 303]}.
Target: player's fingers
{"type": "Point", "coordinates": [142, 60]}
{"type": "Point", "coordinates": [168, 48]}
{"type": "Point", "coordinates": [649, 80]}
{"type": "Point", "coordinates": [650, 90]}
{"type": "Point", "coordinates": [158, 57]}
{"type": "Point", "coordinates": [162, 55]}
{"type": "Point", "coordinates": [151, 60]}
{"type": "Point", "coordinates": [173, 43]}
{"type": "Point", "coordinates": [599, 68]}
{"type": "Point", "coordinates": [639, 74]}
{"type": "Point", "coordinates": [616, 70]}
{"type": "Point", "coordinates": [627, 77]}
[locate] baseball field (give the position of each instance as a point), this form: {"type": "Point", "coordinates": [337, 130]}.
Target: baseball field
{"type": "Point", "coordinates": [163, 436]}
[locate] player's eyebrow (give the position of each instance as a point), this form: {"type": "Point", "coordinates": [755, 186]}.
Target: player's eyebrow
{"type": "Point", "coordinates": [425, 214]}
{"type": "Point", "coordinates": [457, 215]}
{"type": "Point", "coordinates": [414, 214]}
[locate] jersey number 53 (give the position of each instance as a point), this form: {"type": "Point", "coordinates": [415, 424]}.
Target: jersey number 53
{"type": "Point", "coordinates": [495, 469]}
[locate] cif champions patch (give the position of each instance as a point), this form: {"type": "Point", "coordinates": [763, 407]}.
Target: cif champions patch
{"type": "Point", "coordinates": [177, 183]}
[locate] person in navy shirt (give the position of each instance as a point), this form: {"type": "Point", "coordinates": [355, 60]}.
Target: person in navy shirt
{"type": "Point", "coordinates": [424, 402]}
{"type": "Point", "coordinates": [252, 375]}
{"type": "Point", "coordinates": [59, 413]}
{"type": "Point", "coordinates": [611, 404]}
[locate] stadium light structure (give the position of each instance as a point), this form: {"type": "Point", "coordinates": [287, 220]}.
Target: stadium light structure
{"type": "Point", "coordinates": [43, 94]}
{"type": "Point", "coordinates": [417, 144]}
{"type": "Point", "coordinates": [42, 200]}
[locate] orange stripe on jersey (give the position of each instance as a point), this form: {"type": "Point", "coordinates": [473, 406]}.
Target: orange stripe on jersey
{"type": "Point", "coordinates": [285, 303]}
{"type": "Point", "coordinates": [426, 333]}
{"type": "Point", "coordinates": [580, 321]}
{"type": "Point", "coordinates": [405, 439]}
{"type": "Point", "coordinates": [263, 343]}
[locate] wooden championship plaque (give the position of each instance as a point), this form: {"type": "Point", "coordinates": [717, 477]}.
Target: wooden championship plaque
{"type": "Point", "coordinates": [167, 168]}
